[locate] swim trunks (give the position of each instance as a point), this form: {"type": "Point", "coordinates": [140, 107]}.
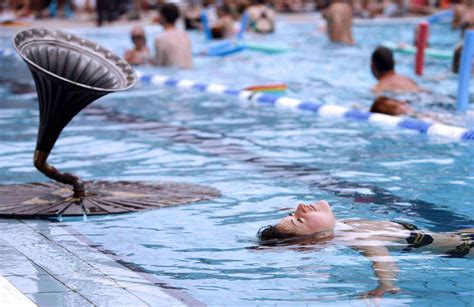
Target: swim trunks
{"type": "Point", "coordinates": [417, 237]}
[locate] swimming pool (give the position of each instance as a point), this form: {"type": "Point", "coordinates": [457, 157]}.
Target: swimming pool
{"type": "Point", "coordinates": [265, 160]}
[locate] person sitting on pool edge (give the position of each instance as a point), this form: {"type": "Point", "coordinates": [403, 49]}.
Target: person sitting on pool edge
{"type": "Point", "coordinates": [383, 69]}
{"type": "Point", "coordinates": [140, 54]}
{"type": "Point", "coordinates": [316, 223]}
{"type": "Point", "coordinates": [173, 46]}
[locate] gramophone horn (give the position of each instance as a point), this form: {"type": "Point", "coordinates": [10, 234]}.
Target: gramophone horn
{"type": "Point", "coordinates": [70, 73]}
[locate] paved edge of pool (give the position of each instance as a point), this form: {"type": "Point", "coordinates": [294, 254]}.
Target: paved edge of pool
{"type": "Point", "coordinates": [11, 296]}
{"type": "Point", "coordinates": [53, 264]}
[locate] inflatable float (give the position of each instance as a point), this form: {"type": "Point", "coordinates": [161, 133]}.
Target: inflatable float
{"type": "Point", "coordinates": [229, 47]}
{"type": "Point", "coordinates": [440, 17]}
{"type": "Point", "coordinates": [270, 49]}
{"type": "Point", "coordinates": [221, 50]}
{"type": "Point", "coordinates": [277, 89]}
{"type": "Point", "coordinates": [409, 49]}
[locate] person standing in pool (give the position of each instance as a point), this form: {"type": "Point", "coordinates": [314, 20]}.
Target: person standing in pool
{"type": "Point", "coordinates": [383, 69]}
{"type": "Point", "coordinates": [140, 54]}
{"type": "Point", "coordinates": [374, 239]}
{"type": "Point", "coordinates": [173, 46]}
{"type": "Point", "coordinates": [339, 22]}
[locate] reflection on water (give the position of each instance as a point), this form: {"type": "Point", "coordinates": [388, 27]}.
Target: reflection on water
{"type": "Point", "coordinates": [264, 161]}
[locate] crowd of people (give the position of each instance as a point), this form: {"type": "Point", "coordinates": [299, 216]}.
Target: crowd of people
{"type": "Point", "coordinates": [110, 10]}
{"type": "Point", "coordinates": [173, 47]}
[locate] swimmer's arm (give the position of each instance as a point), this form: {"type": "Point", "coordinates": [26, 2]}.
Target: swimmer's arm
{"type": "Point", "coordinates": [384, 268]}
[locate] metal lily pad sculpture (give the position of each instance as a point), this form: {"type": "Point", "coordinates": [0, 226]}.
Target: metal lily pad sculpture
{"type": "Point", "coordinates": [71, 72]}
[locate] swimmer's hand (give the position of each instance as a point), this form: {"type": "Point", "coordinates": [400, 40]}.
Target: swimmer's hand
{"type": "Point", "coordinates": [380, 291]}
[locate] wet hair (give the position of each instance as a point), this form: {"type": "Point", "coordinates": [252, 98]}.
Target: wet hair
{"type": "Point", "coordinates": [382, 59]}
{"type": "Point", "coordinates": [382, 106]}
{"type": "Point", "coordinates": [169, 12]}
{"type": "Point", "coordinates": [270, 232]}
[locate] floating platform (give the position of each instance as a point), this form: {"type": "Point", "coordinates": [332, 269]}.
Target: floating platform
{"type": "Point", "coordinates": [55, 200]}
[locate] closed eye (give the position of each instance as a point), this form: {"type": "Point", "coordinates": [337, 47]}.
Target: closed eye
{"type": "Point", "coordinates": [299, 220]}
{"type": "Point", "coordinates": [291, 214]}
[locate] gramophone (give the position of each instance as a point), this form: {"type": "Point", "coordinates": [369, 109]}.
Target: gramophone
{"type": "Point", "coordinates": [70, 73]}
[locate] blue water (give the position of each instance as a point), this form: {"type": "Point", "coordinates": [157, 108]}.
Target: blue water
{"type": "Point", "coordinates": [264, 161]}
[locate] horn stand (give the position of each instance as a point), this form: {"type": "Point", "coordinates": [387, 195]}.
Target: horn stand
{"type": "Point", "coordinates": [51, 172]}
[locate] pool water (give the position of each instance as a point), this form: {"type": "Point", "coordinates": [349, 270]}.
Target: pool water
{"type": "Point", "coordinates": [264, 161]}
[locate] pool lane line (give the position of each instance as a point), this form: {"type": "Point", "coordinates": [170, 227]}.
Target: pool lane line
{"type": "Point", "coordinates": [323, 110]}
{"type": "Point", "coordinates": [441, 218]}
{"type": "Point", "coordinates": [7, 52]}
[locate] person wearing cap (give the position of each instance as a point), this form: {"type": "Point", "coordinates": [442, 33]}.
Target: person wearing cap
{"type": "Point", "coordinates": [140, 54]}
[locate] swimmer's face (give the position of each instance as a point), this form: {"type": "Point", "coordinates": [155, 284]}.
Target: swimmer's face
{"type": "Point", "coordinates": [308, 219]}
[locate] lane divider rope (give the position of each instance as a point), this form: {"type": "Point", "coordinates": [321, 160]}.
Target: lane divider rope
{"type": "Point", "coordinates": [323, 110]}
{"type": "Point", "coordinates": [6, 52]}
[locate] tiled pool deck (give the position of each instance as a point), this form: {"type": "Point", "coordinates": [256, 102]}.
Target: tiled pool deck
{"type": "Point", "coordinates": [53, 265]}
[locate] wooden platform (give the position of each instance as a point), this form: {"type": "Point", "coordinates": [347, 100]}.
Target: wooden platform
{"type": "Point", "coordinates": [45, 200]}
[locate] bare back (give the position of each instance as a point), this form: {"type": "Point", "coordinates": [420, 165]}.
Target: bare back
{"type": "Point", "coordinates": [339, 23]}
{"type": "Point", "coordinates": [173, 48]}
{"type": "Point", "coordinates": [396, 83]}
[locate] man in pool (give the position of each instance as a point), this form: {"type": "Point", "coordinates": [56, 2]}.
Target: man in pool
{"type": "Point", "coordinates": [383, 69]}
{"type": "Point", "coordinates": [339, 22]}
{"type": "Point", "coordinates": [173, 46]}
{"type": "Point", "coordinates": [316, 223]}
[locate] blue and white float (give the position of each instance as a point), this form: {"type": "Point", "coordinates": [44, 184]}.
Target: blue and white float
{"type": "Point", "coordinates": [326, 110]}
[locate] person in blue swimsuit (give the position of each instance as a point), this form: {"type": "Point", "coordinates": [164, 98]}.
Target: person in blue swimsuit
{"type": "Point", "coordinates": [374, 239]}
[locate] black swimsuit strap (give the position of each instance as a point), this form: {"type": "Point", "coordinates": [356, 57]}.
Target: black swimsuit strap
{"type": "Point", "coordinates": [463, 249]}
{"type": "Point", "coordinates": [418, 239]}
